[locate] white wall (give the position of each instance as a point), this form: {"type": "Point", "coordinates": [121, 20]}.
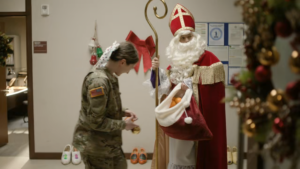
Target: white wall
{"type": "Point", "coordinates": [17, 26]}
{"type": "Point", "coordinates": [12, 6]}
{"type": "Point", "coordinates": [58, 75]}
{"type": "Point", "coordinates": [281, 72]}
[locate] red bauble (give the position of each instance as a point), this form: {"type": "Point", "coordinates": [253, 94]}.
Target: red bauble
{"type": "Point", "coordinates": [283, 29]}
{"type": "Point", "coordinates": [293, 90]}
{"type": "Point", "coordinates": [237, 85]}
{"type": "Point", "coordinates": [233, 81]}
{"type": "Point", "coordinates": [93, 60]}
{"type": "Point", "coordinates": [263, 74]}
{"type": "Point", "coordinates": [278, 125]}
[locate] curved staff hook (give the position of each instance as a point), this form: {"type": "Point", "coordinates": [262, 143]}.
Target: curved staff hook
{"type": "Point", "coordinates": [156, 70]}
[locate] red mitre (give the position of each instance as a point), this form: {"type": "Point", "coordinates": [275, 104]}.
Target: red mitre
{"type": "Point", "coordinates": [181, 19]}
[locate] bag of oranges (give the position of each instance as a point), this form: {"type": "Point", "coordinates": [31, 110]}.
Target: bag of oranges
{"type": "Point", "coordinates": [181, 118]}
{"type": "Point", "coordinates": [175, 101]}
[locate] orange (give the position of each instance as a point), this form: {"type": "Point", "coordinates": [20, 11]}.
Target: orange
{"type": "Point", "coordinates": [173, 104]}
{"type": "Point", "coordinates": [177, 100]}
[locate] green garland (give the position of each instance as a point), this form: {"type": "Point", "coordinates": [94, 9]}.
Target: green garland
{"type": "Point", "coordinates": [5, 48]}
{"type": "Point", "coordinates": [270, 116]}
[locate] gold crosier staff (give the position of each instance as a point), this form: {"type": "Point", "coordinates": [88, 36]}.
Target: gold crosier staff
{"type": "Point", "coordinates": [156, 70]}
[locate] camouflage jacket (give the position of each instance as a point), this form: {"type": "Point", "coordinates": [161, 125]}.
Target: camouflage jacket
{"type": "Point", "coordinates": [99, 128]}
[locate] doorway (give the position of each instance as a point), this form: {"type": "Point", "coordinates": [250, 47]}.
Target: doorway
{"type": "Point", "coordinates": [15, 126]}
{"type": "Point", "coordinates": [16, 89]}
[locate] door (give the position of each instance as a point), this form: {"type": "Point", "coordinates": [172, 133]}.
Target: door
{"type": "Point", "coordinates": [3, 108]}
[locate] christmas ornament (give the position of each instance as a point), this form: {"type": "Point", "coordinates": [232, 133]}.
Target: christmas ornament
{"type": "Point", "coordinates": [276, 100]}
{"type": "Point", "coordinates": [278, 125]}
{"type": "Point", "coordinates": [95, 47]}
{"type": "Point", "coordinates": [293, 90]}
{"type": "Point", "coordinates": [145, 48]}
{"type": "Point", "coordinates": [135, 130]}
{"type": "Point", "coordinates": [99, 51]}
{"type": "Point", "coordinates": [295, 62]}
{"type": "Point", "coordinates": [249, 128]}
{"type": "Point", "coordinates": [237, 85]}
{"type": "Point", "coordinates": [93, 60]}
{"type": "Point", "coordinates": [92, 45]}
{"type": "Point", "coordinates": [233, 80]}
{"type": "Point", "coordinates": [283, 29]}
{"type": "Point", "coordinates": [268, 57]}
{"type": "Point", "coordinates": [263, 73]}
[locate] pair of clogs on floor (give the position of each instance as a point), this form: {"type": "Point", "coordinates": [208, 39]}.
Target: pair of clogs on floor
{"type": "Point", "coordinates": [231, 155]}
{"type": "Point", "coordinates": [138, 157]}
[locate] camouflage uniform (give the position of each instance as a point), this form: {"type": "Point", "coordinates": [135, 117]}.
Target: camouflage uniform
{"type": "Point", "coordinates": [98, 133]}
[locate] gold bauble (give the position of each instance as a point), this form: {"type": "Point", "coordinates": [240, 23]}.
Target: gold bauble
{"type": "Point", "coordinates": [295, 62]}
{"type": "Point", "coordinates": [268, 57]}
{"type": "Point", "coordinates": [136, 130]}
{"type": "Point", "coordinates": [249, 128]}
{"type": "Point", "coordinates": [276, 100]}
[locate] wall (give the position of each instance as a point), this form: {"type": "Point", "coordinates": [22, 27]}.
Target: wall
{"type": "Point", "coordinates": [17, 26]}
{"type": "Point", "coordinates": [58, 75]}
{"type": "Point", "coordinates": [12, 6]}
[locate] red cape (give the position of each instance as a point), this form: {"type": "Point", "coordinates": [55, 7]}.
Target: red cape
{"type": "Point", "coordinates": [212, 154]}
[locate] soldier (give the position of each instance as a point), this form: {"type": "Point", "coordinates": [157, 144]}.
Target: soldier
{"type": "Point", "coordinates": [98, 131]}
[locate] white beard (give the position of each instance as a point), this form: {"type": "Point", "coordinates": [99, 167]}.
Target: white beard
{"type": "Point", "coordinates": [183, 55]}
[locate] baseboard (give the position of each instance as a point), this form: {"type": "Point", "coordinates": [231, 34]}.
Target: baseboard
{"type": "Point", "coordinates": [48, 156]}
{"type": "Point", "coordinates": [57, 156]}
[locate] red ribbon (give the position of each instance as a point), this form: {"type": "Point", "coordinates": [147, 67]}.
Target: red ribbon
{"type": "Point", "coordinates": [145, 48]}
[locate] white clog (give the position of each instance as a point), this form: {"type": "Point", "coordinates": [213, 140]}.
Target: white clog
{"type": "Point", "coordinates": [66, 155]}
{"type": "Point", "coordinates": [229, 156]}
{"type": "Point", "coordinates": [76, 157]}
{"type": "Point", "coordinates": [234, 155]}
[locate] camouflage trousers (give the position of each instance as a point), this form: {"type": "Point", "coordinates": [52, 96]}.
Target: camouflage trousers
{"type": "Point", "coordinates": [103, 162]}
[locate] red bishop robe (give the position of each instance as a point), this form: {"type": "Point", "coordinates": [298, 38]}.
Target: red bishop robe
{"type": "Point", "coordinates": [211, 154]}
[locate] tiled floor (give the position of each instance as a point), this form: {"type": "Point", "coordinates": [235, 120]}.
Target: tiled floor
{"type": "Point", "coordinates": [17, 139]}
{"type": "Point", "coordinates": [25, 163]}
{"type": "Point", "coordinates": [15, 155]}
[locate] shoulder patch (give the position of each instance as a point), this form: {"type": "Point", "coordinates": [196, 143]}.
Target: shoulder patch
{"type": "Point", "coordinates": [96, 92]}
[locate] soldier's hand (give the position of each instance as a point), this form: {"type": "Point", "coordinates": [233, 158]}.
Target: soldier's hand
{"type": "Point", "coordinates": [129, 124]}
{"type": "Point", "coordinates": [155, 63]}
{"type": "Point", "coordinates": [129, 113]}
